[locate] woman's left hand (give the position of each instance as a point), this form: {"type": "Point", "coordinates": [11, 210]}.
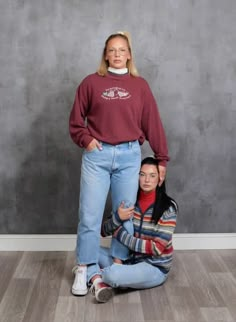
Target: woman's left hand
{"type": "Point", "coordinates": [125, 213]}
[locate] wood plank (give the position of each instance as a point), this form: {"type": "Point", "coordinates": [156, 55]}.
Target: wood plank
{"type": "Point", "coordinates": [205, 292]}
{"type": "Point", "coordinates": [70, 308]}
{"type": "Point", "coordinates": [99, 312]}
{"type": "Point", "coordinates": [67, 277]}
{"type": "Point", "coordinates": [16, 299]}
{"type": "Point", "coordinates": [155, 304]}
{"type": "Point", "coordinates": [217, 314]}
{"type": "Point", "coordinates": [183, 304]}
{"type": "Point", "coordinates": [177, 274]}
{"type": "Point", "coordinates": [232, 308]}
{"type": "Point", "coordinates": [42, 305]}
{"type": "Point", "coordinates": [127, 306]}
{"type": "Point", "coordinates": [29, 265]}
{"type": "Point", "coordinates": [229, 259]}
{"type": "Point", "coordinates": [212, 261]}
{"type": "Point", "coordinates": [226, 286]}
{"type": "Point", "coordinates": [8, 264]}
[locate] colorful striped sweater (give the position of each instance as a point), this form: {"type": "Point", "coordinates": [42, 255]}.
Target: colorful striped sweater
{"type": "Point", "coordinates": [151, 243]}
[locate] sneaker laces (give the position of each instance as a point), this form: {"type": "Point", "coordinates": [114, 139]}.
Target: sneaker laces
{"type": "Point", "coordinates": [74, 269]}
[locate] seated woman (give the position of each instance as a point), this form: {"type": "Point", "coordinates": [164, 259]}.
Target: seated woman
{"type": "Point", "coordinates": [141, 254]}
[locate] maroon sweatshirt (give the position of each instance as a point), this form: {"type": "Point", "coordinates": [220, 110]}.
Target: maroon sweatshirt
{"type": "Point", "coordinates": [115, 109]}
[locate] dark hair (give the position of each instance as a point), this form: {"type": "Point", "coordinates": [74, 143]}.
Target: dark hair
{"type": "Point", "coordinates": [162, 201]}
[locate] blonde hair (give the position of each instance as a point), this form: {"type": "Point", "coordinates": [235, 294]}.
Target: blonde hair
{"type": "Point", "coordinates": [103, 67]}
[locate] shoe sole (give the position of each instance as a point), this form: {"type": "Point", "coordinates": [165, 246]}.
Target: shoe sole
{"type": "Point", "coordinates": [104, 295]}
{"type": "Point", "coordinates": [79, 292]}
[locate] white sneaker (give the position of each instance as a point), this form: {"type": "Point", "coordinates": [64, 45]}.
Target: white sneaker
{"type": "Point", "coordinates": [79, 286]}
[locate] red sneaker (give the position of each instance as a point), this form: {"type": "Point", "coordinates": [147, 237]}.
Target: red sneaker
{"type": "Point", "coordinates": [102, 292]}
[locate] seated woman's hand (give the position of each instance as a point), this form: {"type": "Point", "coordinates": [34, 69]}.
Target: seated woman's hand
{"type": "Point", "coordinates": [125, 213]}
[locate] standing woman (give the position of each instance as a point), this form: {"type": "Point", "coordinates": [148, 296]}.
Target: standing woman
{"type": "Point", "coordinates": [114, 112]}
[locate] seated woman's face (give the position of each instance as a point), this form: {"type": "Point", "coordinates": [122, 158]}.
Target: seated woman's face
{"type": "Point", "coordinates": [148, 177]}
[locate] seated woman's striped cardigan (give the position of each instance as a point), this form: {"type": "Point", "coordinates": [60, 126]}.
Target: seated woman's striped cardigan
{"type": "Point", "coordinates": [151, 242]}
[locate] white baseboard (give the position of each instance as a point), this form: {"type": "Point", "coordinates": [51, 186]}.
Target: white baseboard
{"type": "Point", "coordinates": [68, 242]}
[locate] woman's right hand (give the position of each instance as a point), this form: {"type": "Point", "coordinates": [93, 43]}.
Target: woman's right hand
{"type": "Point", "coordinates": [125, 213]}
{"type": "Point", "coordinates": [93, 145]}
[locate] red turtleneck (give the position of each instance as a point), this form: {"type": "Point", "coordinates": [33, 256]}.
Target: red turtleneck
{"type": "Point", "coordinates": [145, 200]}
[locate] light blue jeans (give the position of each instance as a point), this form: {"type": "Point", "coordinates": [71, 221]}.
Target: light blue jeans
{"type": "Point", "coordinates": [138, 276]}
{"type": "Point", "coordinates": [118, 250]}
{"type": "Point", "coordinates": [115, 167]}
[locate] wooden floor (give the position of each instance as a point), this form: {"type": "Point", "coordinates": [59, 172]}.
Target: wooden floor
{"type": "Point", "coordinates": [35, 286]}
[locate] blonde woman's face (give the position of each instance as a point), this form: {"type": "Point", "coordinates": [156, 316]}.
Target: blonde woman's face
{"type": "Point", "coordinates": [117, 53]}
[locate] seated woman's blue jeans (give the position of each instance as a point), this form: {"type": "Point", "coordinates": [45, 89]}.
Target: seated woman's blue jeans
{"type": "Point", "coordinates": [138, 276]}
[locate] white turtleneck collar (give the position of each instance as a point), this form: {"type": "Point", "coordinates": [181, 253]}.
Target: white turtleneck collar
{"type": "Point", "coordinates": [119, 71]}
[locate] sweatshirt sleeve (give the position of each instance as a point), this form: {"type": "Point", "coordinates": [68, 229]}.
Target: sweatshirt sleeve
{"type": "Point", "coordinates": [152, 127]}
{"type": "Point", "coordinates": [161, 237]}
{"type": "Point", "coordinates": [77, 121]}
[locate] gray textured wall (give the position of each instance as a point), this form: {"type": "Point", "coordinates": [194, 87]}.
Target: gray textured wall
{"type": "Point", "coordinates": [185, 49]}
